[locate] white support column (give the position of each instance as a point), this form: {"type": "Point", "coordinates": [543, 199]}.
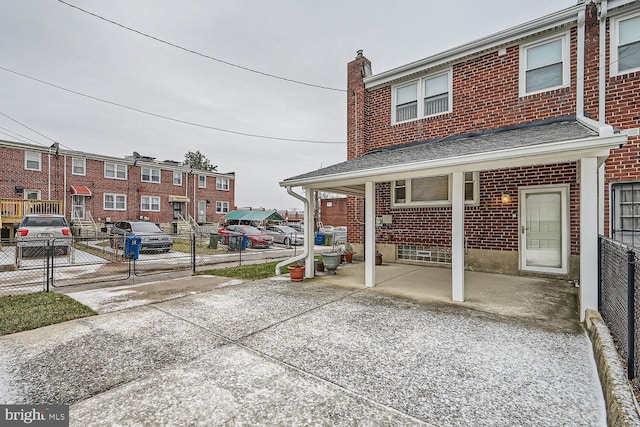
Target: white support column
{"type": "Point", "coordinates": [601, 181]}
{"type": "Point", "coordinates": [588, 235]}
{"type": "Point", "coordinates": [370, 234]}
{"type": "Point", "coordinates": [309, 226]}
{"type": "Point", "coordinates": [457, 236]}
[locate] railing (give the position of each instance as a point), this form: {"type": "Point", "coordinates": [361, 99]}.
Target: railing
{"type": "Point", "coordinates": [13, 210]}
{"type": "Point", "coordinates": [194, 225]}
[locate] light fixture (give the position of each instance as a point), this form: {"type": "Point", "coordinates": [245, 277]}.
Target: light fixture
{"type": "Point", "coordinates": [506, 198]}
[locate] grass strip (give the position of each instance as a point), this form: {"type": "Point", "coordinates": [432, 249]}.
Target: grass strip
{"type": "Point", "coordinates": [24, 312]}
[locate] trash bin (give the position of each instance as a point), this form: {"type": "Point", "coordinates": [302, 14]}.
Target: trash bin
{"type": "Point", "coordinates": [328, 239]}
{"type": "Point", "coordinates": [237, 242]}
{"type": "Point", "coordinates": [132, 247]}
{"type": "Point", "coordinates": [213, 240]}
{"type": "Point", "coordinates": [319, 239]}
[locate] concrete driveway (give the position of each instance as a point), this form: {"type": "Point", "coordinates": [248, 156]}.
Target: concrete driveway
{"type": "Point", "coordinates": [272, 352]}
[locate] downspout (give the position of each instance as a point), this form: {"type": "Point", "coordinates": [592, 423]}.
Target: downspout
{"type": "Point", "coordinates": [305, 252]}
{"type": "Point", "coordinates": [64, 192]}
{"type": "Point", "coordinates": [580, 66]}
{"type": "Point", "coordinates": [49, 173]}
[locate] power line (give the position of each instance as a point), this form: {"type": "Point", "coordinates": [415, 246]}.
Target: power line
{"type": "Point", "coordinates": [17, 135]}
{"type": "Point", "coordinates": [31, 129]}
{"type": "Point", "coordinates": [222, 61]}
{"type": "Point", "coordinates": [160, 116]}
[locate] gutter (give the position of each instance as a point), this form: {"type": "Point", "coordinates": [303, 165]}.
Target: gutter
{"type": "Point", "coordinates": [305, 252]}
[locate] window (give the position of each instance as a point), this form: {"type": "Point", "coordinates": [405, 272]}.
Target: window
{"type": "Point", "coordinates": [222, 207]}
{"type": "Point", "coordinates": [202, 181]}
{"type": "Point", "coordinates": [115, 170]}
{"type": "Point", "coordinates": [433, 190]}
{"type": "Point", "coordinates": [115, 202]}
{"type": "Point", "coordinates": [150, 203]}
{"type": "Point", "coordinates": [32, 160]}
{"type": "Point", "coordinates": [177, 178]}
{"type": "Point", "coordinates": [625, 45]}
{"type": "Point", "coordinates": [222, 184]}
{"type": "Point", "coordinates": [544, 65]}
{"type": "Point", "coordinates": [626, 213]}
{"type": "Point", "coordinates": [150, 175]}
{"type": "Point", "coordinates": [435, 98]}
{"type": "Point", "coordinates": [78, 166]}
{"type": "Point", "coordinates": [32, 194]}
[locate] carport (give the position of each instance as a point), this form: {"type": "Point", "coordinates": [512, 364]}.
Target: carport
{"type": "Point", "coordinates": [573, 139]}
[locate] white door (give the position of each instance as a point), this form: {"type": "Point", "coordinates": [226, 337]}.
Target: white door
{"type": "Point", "coordinates": [202, 211]}
{"type": "Point", "coordinates": [543, 230]}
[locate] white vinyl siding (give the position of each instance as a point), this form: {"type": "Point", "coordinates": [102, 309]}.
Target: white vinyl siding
{"type": "Point", "coordinates": [115, 170]}
{"type": "Point", "coordinates": [625, 45]}
{"type": "Point", "coordinates": [32, 161]}
{"type": "Point", "coordinates": [78, 166]}
{"type": "Point", "coordinates": [115, 202]}
{"type": "Point", "coordinates": [150, 175]}
{"type": "Point", "coordinates": [429, 96]}
{"type": "Point", "coordinates": [150, 203]}
{"type": "Point", "coordinates": [544, 65]}
{"type": "Point", "coordinates": [432, 191]}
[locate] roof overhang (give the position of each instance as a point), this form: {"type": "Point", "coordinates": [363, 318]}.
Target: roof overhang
{"type": "Point", "coordinates": [181, 199]}
{"type": "Point", "coordinates": [352, 183]}
{"type": "Point", "coordinates": [80, 190]}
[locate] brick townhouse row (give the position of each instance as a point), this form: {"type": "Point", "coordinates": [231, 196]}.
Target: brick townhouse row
{"type": "Point", "coordinates": [86, 186]}
{"type": "Point", "coordinates": [507, 154]}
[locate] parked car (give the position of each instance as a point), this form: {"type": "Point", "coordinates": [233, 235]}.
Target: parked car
{"type": "Point", "coordinates": [340, 235]}
{"type": "Point", "coordinates": [255, 238]}
{"type": "Point", "coordinates": [298, 226]}
{"type": "Point", "coordinates": [285, 235]}
{"type": "Point", "coordinates": [152, 238]}
{"type": "Point", "coordinates": [36, 231]}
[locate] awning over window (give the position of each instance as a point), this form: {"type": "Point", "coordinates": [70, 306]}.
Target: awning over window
{"type": "Point", "coordinates": [80, 190]}
{"type": "Point", "coordinates": [182, 199]}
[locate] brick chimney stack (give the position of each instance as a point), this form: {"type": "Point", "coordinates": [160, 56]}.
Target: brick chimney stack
{"type": "Point", "coordinates": [357, 70]}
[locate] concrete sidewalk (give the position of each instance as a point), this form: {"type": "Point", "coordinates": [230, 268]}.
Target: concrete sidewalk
{"type": "Point", "coordinates": [272, 352]}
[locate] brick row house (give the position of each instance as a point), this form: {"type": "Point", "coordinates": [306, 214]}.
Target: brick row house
{"type": "Point", "coordinates": [93, 191]}
{"type": "Point", "coordinates": [509, 154]}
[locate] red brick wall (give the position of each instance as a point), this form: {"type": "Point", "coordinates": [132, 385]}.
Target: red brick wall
{"type": "Point", "coordinates": [336, 214]}
{"type": "Point", "coordinates": [489, 225]}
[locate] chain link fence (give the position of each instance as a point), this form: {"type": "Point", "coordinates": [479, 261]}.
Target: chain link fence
{"type": "Point", "coordinates": [619, 278]}
{"type": "Point", "coordinates": [43, 264]}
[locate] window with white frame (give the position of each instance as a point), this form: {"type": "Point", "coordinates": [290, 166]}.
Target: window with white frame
{"type": "Point", "coordinates": [433, 191]}
{"type": "Point", "coordinates": [426, 97]}
{"type": "Point", "coordinates": [222, 207]}
{"type": "Point", "coordinates": [115, 170]}
{"type": "Point", "coordinates": [115, 202]}
{"type": "Point", "coordinates": [150, 203]}
{"type": "Point", "coordinates": [177, 178]}
{"type": "Point", "coordinates": [625, 44]}
{"type": "Point", "coordinates": [202, 181]}
{"type": "Point", "coordinates": [626, 212]}
{"type": "Point", "coordinates": [78, 166]}
{"type": "Point", "coordinates": [150, 175]}
{"type": "Point", "coordinates": [32, 160]}
{"type": "Point", "coordinates": [544, 65]}
{"type": "Point", "coordinates": [222, 184]}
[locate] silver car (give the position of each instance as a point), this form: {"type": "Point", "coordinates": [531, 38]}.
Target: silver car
{"type": "Point", "coordinates": [152, 238]}
{"type": "Point", "coordinates": [37, 231]}
{"type": "Point", "coordinates": [285, 235]}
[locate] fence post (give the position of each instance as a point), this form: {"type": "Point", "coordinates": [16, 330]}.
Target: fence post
{"type": "Point", "coordinates": [600, 243]}
{"type": "Point", "coordinates": [631, 314]}
{"type": "Point", "coordinates": [48, 264]}
{"type": "Point", "coordinates": [193, 253]}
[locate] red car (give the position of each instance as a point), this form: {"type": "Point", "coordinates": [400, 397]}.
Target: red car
{"type": "Point", "coordinates": [255, 238]}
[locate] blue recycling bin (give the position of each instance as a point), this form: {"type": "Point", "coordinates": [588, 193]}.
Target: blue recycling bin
{"type": "Point", "coordinates": [319, 239]}
{"type": "Point", "coordinates": [132, 247]}
{"type": "Point", "coordinates": [237, 242]}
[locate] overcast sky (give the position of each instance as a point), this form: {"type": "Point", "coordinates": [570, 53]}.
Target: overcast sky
{"type": "Point", "coordinates": [309, 41]}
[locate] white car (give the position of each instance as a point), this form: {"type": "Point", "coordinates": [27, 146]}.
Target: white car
{"type": "Point", "coordinates": [36, 232]}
